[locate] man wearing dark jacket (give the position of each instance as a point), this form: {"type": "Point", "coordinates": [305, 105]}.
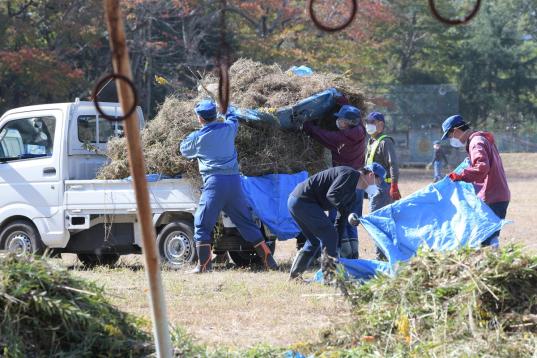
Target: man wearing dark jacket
{"type": "Point", "coordinates": [347, 146]}
{"type": "Point", "coordinates": [331, 188]}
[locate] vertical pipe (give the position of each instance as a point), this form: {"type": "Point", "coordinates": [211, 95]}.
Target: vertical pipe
{"type": "Point", "coordinates": [120, 60]}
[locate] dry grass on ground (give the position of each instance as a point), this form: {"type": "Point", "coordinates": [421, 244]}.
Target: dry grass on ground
{"type": "Point", "coordinates": [230, 307]}
{"type": "Point", "coordinates": [244, 308]}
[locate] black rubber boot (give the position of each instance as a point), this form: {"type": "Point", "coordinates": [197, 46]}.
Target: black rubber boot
{"type": "Point", "coordinates": [204, 258]}
{"type": "Point", "coordinates": [349, 248]}
{"type": "Point", "coordinates": [300, 264]}
{"type": "Point", "coordinates": [263, 251]}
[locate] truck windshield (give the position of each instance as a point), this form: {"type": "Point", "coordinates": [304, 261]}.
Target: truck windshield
{"type": "Point", "coordinates": [27, 138]}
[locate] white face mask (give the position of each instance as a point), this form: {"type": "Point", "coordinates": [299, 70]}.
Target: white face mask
{"type": "Point", "coordinates": [370, 128]}
{"type": "Point", "coordinates": [372, 190]}
{"type": "Point", "coordinates": [455, 142]}
{"type": "Point", "coordinates": [339, 124]}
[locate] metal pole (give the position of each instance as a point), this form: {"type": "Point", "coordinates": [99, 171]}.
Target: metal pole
{"type": "Point", "coordinates": [120, 60]}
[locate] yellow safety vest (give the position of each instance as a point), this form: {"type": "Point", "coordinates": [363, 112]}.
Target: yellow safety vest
{"type": "Point", "coordinates": [374, 150]}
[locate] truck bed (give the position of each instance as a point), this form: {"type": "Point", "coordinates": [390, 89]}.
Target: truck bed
{"type": "Point", "coordinates": [117, 196]}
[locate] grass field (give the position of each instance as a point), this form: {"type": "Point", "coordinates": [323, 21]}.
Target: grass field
{"type": "Point", "coordinates": [238, 308]}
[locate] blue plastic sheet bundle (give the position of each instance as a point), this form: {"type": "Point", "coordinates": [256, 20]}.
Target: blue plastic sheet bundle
{"type": "Point", "coordinates": [268, 195]}
{"type": "Point", "coordinates": [301, 71]}
{"type": "Point", "coordinates": [315, 107]}
{"type": "Point", "coordinates": [443, 216]}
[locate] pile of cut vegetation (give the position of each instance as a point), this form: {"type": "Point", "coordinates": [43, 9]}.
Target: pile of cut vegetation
{"type": "Point", "coordinates": [45, 312]}
{"type": "Point", "coordinates": [261, 150]}
{"type": "Point", "coordinates": [456, 304]}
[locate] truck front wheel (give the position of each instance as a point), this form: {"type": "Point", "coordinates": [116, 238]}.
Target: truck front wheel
{"type": "Point", "coordinates": [176, 244]}
{"type": "Point", "coordinates": [21, 238]}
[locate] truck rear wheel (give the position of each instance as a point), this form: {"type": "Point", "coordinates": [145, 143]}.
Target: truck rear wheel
{"type": "Point", "coordinates": [21, 238]}
{"type": "Point", "coordinates": [92, 260]}
{"type": "Point", "coordinates": [176, 244]}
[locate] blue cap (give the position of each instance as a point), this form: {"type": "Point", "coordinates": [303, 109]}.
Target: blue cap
{"type": "Point", "coordinates": [349, 112]}
{"type": "Point", "coordinates": [377, 169]}
{"type": "Point", "coordinates": [206, 109]}
{"type": "Point", "coordinates": [450, 123]}
{"type": "Point", "coordinates": [375, 116]}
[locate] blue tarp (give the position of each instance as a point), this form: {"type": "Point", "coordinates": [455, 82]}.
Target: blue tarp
{"type": "Point", "coordinates": [268, 195]}
{"type": "Point", "coordinates": [302, 71]}
{"type": "Point", "coordinates": [155, 177]}
{"type": "Point", "coordinates": [443, 216]}
{"type": "Point", "coordinates": [315, 107]}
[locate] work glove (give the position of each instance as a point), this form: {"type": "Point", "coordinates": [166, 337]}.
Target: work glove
{"type": "Point", "coordinates": [353, 219]}
{"type": "Point", "coordinates": [341, 99]}
{"type": "Point", "coordinates": [455, 177]}
{"type": "Point", "coordinates": [394, 191]}
{"type": "Point", "coordinates": [231, 111]}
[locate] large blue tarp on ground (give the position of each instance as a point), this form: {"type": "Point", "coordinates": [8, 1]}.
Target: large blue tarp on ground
{"type": "Point", "coordinates": [443, 216]}
{"type": "Point", "coordinates": [268, 195]}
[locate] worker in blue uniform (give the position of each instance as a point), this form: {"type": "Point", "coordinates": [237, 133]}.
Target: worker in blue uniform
{"type": "Point", "coordinates": [214, 148]}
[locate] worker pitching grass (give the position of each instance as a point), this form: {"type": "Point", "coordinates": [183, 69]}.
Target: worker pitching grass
{"type": "Point", "coordinates": [461, 303]}
{"type": "Point", "coordinates": [260, 150]}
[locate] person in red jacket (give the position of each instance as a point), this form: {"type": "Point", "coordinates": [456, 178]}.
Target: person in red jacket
{"type": "Point", "coordinates": [485, 172]}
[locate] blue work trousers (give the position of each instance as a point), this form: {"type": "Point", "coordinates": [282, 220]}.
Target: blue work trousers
{"type": "Point", "coordinates": [224, 192]}
{"type": "Point", "coordinates": [315, 226]}
{"type": "Point", "coordinates": [500, 209]}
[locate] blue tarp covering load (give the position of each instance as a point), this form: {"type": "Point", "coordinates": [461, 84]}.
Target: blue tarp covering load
{"type": "Point", "coordinates": [315, 107]}
{"type": "Point", "coordinates": [268, 195]}
{"type": "Point", "coordinates": [443, 216]}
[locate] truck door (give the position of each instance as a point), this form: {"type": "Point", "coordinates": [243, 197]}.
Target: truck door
{"type": "Point", "coordinates": [30, 152]}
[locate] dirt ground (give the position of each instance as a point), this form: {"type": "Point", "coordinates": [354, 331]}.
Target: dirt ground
{"type": "Point", "coordinates": [239, 308]}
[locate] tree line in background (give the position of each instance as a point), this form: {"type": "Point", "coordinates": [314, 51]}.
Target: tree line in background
{"type": "Point", "coordinates": [55, 50]}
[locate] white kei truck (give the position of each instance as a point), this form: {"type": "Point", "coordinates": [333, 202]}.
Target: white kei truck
{"type": "Point", "coordinates": [50, 199]}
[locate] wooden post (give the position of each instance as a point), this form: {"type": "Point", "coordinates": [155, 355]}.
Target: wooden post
{"type": "Point", "coordinates": [120, 60]}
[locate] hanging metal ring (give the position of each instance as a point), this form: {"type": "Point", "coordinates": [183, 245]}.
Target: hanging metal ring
{"type": "Point", "coordinates": [97, 90]}
{"type": "Point", "coordinates": [454, 22]}
{"type": "Point", "coordinates": [326, 28]}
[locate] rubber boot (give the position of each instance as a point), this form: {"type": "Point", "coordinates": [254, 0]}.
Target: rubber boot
{"type": "Point", "coordinates": [204, 258]}
{"type": "Point", "coordinates": [349, 248]}
{"type": "Point", "coordinates": [263, 251]}
{"type": "Point", "coordinates": [301, 263]}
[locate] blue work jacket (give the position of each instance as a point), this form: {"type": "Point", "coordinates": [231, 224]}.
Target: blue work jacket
{"type": "Point", "coordinates": [214, 147]}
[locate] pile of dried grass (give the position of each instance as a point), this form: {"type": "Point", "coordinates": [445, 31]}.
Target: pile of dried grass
{"type": "Point", "coordinates": [261, 150]}
{"type": "Point", "coordinates": [46, 312]}
{"type": "Point", "coordinates": [464, 303]}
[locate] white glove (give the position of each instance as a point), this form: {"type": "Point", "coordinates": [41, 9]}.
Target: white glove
{"type": "Point", "coordinates": [353, 219]}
